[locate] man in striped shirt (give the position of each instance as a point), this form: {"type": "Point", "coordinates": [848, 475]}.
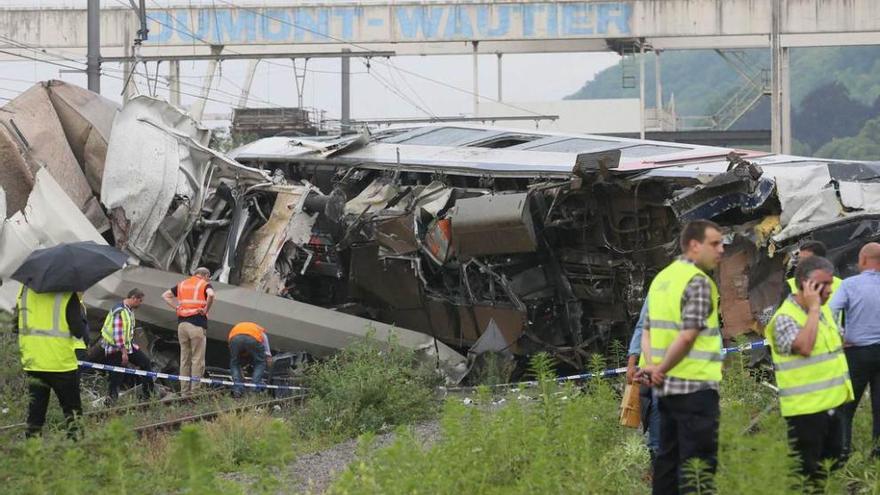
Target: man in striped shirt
{"type": "Point", "coordinates": [117, 337]}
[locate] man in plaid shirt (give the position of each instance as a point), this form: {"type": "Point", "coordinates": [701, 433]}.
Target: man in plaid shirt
{"type": "Point", "coordinates": [681, 341]}
{"type": "Point", "coordinates": [117, 336]}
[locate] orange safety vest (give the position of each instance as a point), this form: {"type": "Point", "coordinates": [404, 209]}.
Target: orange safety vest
{"type": "Point", "coordinates": [248, 328]}
{"type": "Point", "coordinates": [192, 296]}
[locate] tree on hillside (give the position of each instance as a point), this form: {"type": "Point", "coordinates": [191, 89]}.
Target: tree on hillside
{"type": "Point", "coordinates": [828, 112]}
{"type": "Point", "coordinates": [864, 146]}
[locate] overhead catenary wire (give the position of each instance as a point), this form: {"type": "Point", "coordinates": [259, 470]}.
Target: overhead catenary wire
{"type": "Point", "coordinates": [39, 51]}
{"type": "Point", "coordinates": [400, 95]}
{"type": "Point", "coordinates": [367, 49]}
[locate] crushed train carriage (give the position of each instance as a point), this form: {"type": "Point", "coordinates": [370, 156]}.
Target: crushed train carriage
{"type": "Point", "coordinates": [483, 238]}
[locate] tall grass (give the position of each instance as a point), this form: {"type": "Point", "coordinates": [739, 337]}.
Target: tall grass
{"type": "Point", "coordinates": [568, 441]}
{"type": "Point", "coordinates": [368, 387]}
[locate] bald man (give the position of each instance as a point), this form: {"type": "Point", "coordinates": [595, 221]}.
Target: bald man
{"type": "Point", "coordinates": [859, 298]}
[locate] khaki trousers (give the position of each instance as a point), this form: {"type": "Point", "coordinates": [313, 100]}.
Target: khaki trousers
{"type": "Point", "coordinates": [192, 354]}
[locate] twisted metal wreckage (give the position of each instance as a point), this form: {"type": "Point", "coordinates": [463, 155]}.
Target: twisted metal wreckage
{"type": "Point", "coordinates": [462, 238]}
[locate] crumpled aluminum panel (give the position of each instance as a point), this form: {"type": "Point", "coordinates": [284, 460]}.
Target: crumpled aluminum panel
{"type": "Point", "coordinates": [33, 136]}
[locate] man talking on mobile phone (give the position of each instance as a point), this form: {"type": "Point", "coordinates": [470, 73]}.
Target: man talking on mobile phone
{"type": "Point", "coordinates": [811, 370]}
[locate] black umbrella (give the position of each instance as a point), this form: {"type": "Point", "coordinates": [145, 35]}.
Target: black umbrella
{"type": "Point", "coordinates": [70, 267]}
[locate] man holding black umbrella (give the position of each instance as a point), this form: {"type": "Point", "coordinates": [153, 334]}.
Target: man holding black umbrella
{"type": "Point", "coordinates": [46, 323]}
{"type": "Point", "coordinates": [49, 318]}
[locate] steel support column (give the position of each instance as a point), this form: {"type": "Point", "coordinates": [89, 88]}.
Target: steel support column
{"type": "Point", "coordinates": [658, 84]}
{"type": "Point", "coordinates": [174, 82]}
{"type": "Point", "coordinates": [780, 107]}
{"type": "Point", "coordinates": [198, 107]}
{"type": "Point", "coordinates": [500, 86]}
{"type": "Point", "coordinates": [642, 116]}
{"type": "Point", "coordinates": [346, 91]}
{"type": "Point", "coordinates": [248, 82]}
{"type": "Point", "coordinates": [476, 79]}
{"type": "Point", "coordinates": [93, 56]}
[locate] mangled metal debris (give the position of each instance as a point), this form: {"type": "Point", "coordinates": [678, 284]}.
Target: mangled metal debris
{"type": "Point", "coordinates": [545, 244]}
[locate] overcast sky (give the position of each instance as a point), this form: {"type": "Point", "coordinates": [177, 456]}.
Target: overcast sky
{"type": "Point", "coordinates": [387, 90]}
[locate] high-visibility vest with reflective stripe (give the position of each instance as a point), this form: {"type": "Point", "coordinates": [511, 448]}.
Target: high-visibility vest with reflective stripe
{"type": "Point", "coordinates": [816, 383]}
{"type": "Point", "coordinates": [248, 328]}
{"type": "Point", "coordinates": [80, 343]}
{"type": "Point", "coordinates": [43, 334]}
{"type": "Point", "coordinates": [191, 296]}
{"type": "Point", "coordinates": [704, 360]}
{"type": "Point", "coordinates": [127, 326]}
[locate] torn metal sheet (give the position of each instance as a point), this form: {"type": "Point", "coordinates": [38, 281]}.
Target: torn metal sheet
{"type": "Point", "coordinates": [493, 224]}
{"type": "Point", "coordinates": [373, 198]}
{"type": "Point", "coordinates": [491, 340]}
{"type": "Point", "coordinates": [397, 234]}
{"type": "Point", "coordinates": [822, 208]}
{"type": "Point", "coordinates": [87, 119]}
{"type": "Point", "coordinates": [156, 179]}
{"type": "Point", "coordinates": [860, 195]}
{"type": "Point", "coordinates": [739, 189]}
{"type": "Point", "coordinates": [287, 223]}
{"type": "Point", "coordinates": [797, 185]}
{"type": "Point", "coordinates": [31, 135]}
{"type": "Point", "coordinates": [49, 218]}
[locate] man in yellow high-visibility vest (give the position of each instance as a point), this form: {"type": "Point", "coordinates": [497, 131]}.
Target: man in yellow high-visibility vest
{"type": "Point", "coordinates": [681, 341]}
{"type": "Point", "coordinates": [811, 368]}
{"type": "Point", "coordinates": [807, 250]}
{"type": "Point", "coordinates": [47, 325]}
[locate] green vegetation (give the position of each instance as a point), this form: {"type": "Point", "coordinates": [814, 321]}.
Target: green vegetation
{"type": "Point", "coordinates": [834, 93]}
{"type": "Point", "coordinates": [368, 388]}
{"type": "Point", "coordinates": [568, 441]}
{"type": "Point", "coordinates": [548, 439]}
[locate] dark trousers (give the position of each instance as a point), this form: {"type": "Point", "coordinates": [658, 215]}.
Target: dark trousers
{"type": "Point", "coordinates": [65, 384]}
{"type": "Point", "coordinates": [688, 429]}
{"type": "Point", "coordinates": [245, 346]}
{"type": "Point", "coordinates": [650, 418]}
{"type": "Point", "coordinates": [138, 358]}
{"type": "Point", "coordinates": [816, 437]}
{"type": "Point", "coordinates": [864, 370]}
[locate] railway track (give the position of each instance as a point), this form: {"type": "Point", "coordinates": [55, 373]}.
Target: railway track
{"type": "Point", "coordinates": [122, 410]}
{"type": "Point", "coordinates": [175, 423]}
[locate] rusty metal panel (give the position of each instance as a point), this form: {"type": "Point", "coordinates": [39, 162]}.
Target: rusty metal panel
{"type": "Point", "coordinates": [397, 234]}
{"type": "Point", "coordinates": [493, 224]}
{"type": "Point", "coordinates": [390, 281]}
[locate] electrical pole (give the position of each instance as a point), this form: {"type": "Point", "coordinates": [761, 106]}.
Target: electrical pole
{"type": "Point", "coordinates": [93, 63]}
{"type": "Point", "coordinates": [346, 90]}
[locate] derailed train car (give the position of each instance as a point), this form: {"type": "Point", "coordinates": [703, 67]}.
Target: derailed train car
{"type": "Point", "coordinates": [546, 242]}
{"type": "Point", "coordinates": [481, 238]}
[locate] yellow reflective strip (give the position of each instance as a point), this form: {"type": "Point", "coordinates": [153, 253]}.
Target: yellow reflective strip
{"type": "Point", "coordinates": [56, 312]}
{"type": "Point", "coordinates": [814, 387]}
{"type": "Point", "coordinates": [800, 363]}
{"type": "Point", "coordinates": [664, 325]}
{"type": "Point", "coordinates": [47, 333]}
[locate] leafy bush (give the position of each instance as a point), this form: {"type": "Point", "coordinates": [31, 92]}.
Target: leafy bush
{"type": "Point", "coordinates": [368, 387]}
